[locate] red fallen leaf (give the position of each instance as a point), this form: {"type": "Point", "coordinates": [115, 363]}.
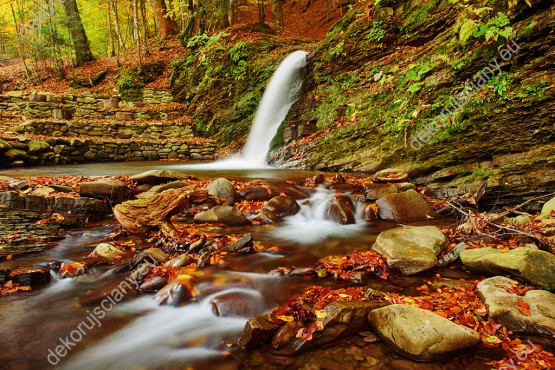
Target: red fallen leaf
{"type": "Point", "coordinates": [524, 307]}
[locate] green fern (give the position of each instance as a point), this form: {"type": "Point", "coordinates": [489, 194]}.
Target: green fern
{"type": "Point", "coordinates": [467, 29]}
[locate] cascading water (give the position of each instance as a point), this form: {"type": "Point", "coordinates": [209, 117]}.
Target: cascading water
{"type": "Point", "coordinates": [311, 224]}
{"type": "Point", "coordinates": [282, 91]}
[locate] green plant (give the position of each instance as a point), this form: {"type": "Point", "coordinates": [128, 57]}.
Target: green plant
{"type": "Point", "coordinates": [500, 84]}
{"type": "Point", "coordinates": [376, 32]}
{"type": "Point", "coordinates": [495, 27]}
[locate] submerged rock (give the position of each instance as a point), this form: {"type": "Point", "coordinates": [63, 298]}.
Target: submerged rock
{"type": "Point", "coordinates": [411, 249]}
{"type": "Point", "coordinates": [341, 210]}
{"type": "Point", "coordinates": [223, 189]}
{"type": "Point", "coordinates": [507, 308]}
{"type": "Point", "coordinates": [406, 206]}
{"type": "Point", "coordinates": [527, 263]}
{"type": "Point", "coordinates": [223, 214]}
{"type": "Point", "coordinates": [419, 334]}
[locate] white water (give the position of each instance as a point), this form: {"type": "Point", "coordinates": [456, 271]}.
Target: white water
{"type": "Point", "coordinates": [281, 92]}
{"type": "Point", "coordinates": [311, 225]}
{"type": "Point", "coordinates": [167, 335]}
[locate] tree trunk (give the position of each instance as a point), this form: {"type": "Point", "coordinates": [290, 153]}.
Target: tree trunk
{"type": "Point", "coordinates": [231, 12]}
{"type": "Point", "coordinates": [261, 12]}
{"type": "Point", "coordinates": [277, 11]}
{"type": "Point", "coordinates": [145, 28]}
{"type": "Point", "coordinates": [136, 33]}
{"type": "Point", "coordinates": [114, 10]}
{"type": "Point", "coordinates": [81, 45]}
{"type": "Point", "coordinates": [223, 10]}
{"type": "Point", "coordinates": [165, 25]}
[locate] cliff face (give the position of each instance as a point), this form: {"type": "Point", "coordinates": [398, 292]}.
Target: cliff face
{"type": "Point", "coordinates": [457, 93]}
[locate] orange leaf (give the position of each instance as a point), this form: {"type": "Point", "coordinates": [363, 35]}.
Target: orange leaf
{"type": "Point", "coordinates": [524, 307]}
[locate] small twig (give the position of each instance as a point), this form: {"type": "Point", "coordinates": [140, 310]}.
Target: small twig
{"type": "Point", "coordinates": [502, 215]}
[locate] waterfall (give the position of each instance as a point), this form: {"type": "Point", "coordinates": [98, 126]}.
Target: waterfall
{"type": "Point", "coordinates": [282, 91]}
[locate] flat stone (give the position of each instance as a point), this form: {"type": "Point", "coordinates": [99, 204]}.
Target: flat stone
{"type": "Point", "coordinates": [391, 175]}
{"type": "Point", "coordinates": [30, 277]}
{"type": "Point", "coordinates": [504, 307]}
{"type": "Point", "coordinates": [114, 190]}
{"type": "Point", "coordinates": [109, 252]}
{"type": "Point", "coordinates": [223, 214]}
{"type": "Point", "coordinates": [527, 263]}
{"type": "Point", "coordinates": [158, 176]}
{"type": "Point", "coordinates": [419, 334]}
{"type": "Point", "coordinates": [411, 249]}
{"type": "Point", "coordinates": [243, 245]}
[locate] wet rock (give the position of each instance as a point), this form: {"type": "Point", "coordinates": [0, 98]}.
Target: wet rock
{"type": "Point", "coordinates": [245, 304]}
{"type": "Point", "coordinates": [204, 259]}
{"type": "Point", "coordinates": [158, 176]}
{"type": "Point", "coordinates": [549, 207]}
{"type": "Point", "coordinates": [505, 308]}
{"type": "Point", "coordinates": [153, 285]}
{"type": "Point", "coordinates": [291, 190]}
{"type": "Point", "coordinates": [342, 318]}
{"type": "Point", "coordinates": [174, 293]}
{"type": "Point", "coordinates": [62, 188]}
{"type": "Point", "coordinates": [258, 331]}
{"type": "Point", "coordinates": [69, 270]}
{"type": "Point", "coordinates": [411, 249]}
{"type": "Point", "coordinates": [154, 256]}
{"type": "Point", "coordinates": [378, 192]}
{"type": "Point", "coordinates": [181, 260]}
{"type": "Point", "coordinates": [108, 252]}
{"type": "Point", "coordinates": [318, 179]}
{"type": "Point", "coordinates": [113, 190]}
{"type": "Point", "coordinates": [223, 189]}
{"type": "Point", "coordinates": [30, 277]}
{"type": "Point", "coordinates": [277, 208]}
{"type": "Point", "coordinates": [453, 255]}
{"type": "Point", "coordinates": [391, 175]}
{"type": "Point", "coordinates": [370, 212]}
{"type": "Point", "coordinates": [256, 193]}
{"type": "Point", "coordinates": [527, 263]}
{"type": "Point", "coordinates": [21, 185]}
{"type": "Point", "coordinates": [243, 245]}
{"type": "Point", "coordinates": [341, 210]}
{"type": "Point", "coordinates": [141, 272]}
{"type": "Point", "coordinates": [223, 214]}
{"type": "Point", "coordinates": [420, 334]}
{"type": "Point", "coordinates": [406, 206]}
{"type": "Point", "coordinates": [160, 188]}
{"type": "Point", "coordinates": [285, 334]}
{"type": "Point", "coordinates": [116, 291]}
{"type": "Point", "coordinates": [4, 275]}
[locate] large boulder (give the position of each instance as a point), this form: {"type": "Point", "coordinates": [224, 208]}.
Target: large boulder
{"type": "Point", "coordinates": [114, 190]}
{"type": "Point", "coordinates": [532, 313]}
{"type": "Point", "coordinates": [158, 176]}
{"type": "Point", "coordinates": [526, 263]}
{"type": "Point", "coordinates": [411, 249]}
{"type": "Point", "coordinates": [406, 206]}
{"type": "Point", "coordinates": [223, 189]}
{"type": "Point", "coordinates": [222, 214]}
{"type": "Point", "coordinates": [419, 334]}
{"type": "Point", "coordinates": [341, 210]}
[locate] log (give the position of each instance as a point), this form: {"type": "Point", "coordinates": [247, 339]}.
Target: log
{"type": "Point", "coordinates": [138, 216]}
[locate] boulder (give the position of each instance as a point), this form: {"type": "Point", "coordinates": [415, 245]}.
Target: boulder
{"type": "Point", "coordinates": [549, 207]}
{"type": "Point", "coordinates": [277, 208]}
{"type": "Point", "coordinates": [160, 188]}
{"type": "Point", "coordinates": [507, 308]}
{"type": "Point", "coordinates": [256, 193]}
{"type": "Point", "coordinates": [114, 190]}
{"type": "Point", "coordinates": [222, 214]}
{"type": "Point", "coordinates": [43, 191]}
{"type": "Point", "coordinates": [108, 252]}
{"type": "Point", "coordinates": [370, 212]}
{"type": "Point", "coordinates": [526, 263]}
{"type": "Point", "coordinates": [175, 293]}
{"type": "Point", "coordinates": [154, 256]}
{"type": "Point", "coordinates": [406, 206]}
{"type": "Point", "coordinates": [391, 175]}
{"type": "Point", "coordinates": [290, 189]}
{"type": "Point", "coordinates": [223, 189]}
{"type": "Point", "coordinates": [341, 210]}
{"type": "Point", "coordinates": [419, 334]}
{"type": "Point", "coordinates": [243, 245]}
{"type": "Point", "coordinates": [158, 176]}
{"type": "Point", "coordinates": [411, 249]}
{"type": "Point", "coordinates": [154, 284]}
{"type": "Point", "coordinates": [378, 192]}
{"type": "Point", "coordinates": [181, 260]}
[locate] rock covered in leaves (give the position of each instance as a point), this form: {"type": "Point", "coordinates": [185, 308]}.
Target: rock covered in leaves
{"type": "Point", "coordinates": [222, 214]}
{"type": "Point", "coordinates": [405, 206]}
{"type": "Point", "coordinates": [341, 210]}
{"type": "Point", "coordinates": [528, 263]}
{"type": "Point", "coordinates": [223, 189]}
{"type": "Point", "coordinates": [420, 334]}
{"type": "Point", "coordinates": [411, 249]}
{"type": "Point", "coordinates": [391, 175]}
{"type": "Point", "coordinates": [533, 312]}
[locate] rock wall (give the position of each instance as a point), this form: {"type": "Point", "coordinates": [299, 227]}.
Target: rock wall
{"type": "Point", "coordinates": [24, 151]}
{"type": "Point", "coordinates": [157, 130]}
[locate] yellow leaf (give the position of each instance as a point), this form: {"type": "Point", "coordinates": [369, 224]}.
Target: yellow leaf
{"type": "Point", "coordinates": [286, 318]}
{"type": "Point", "coordinates": [344, 295]}
{"type": "Point", "coordinates": [321, 314]}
